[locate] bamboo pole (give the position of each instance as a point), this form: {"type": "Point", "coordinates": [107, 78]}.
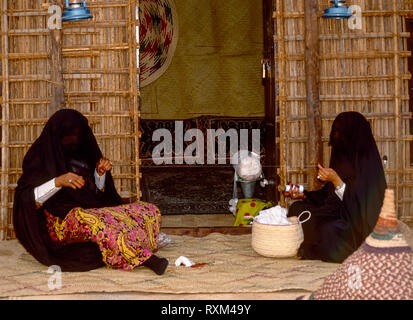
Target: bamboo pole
{"type": "Point", "coordinates": [5, 125]}
{"type": "Point", "coordinates": [312, 66]}
{"type": "Point", "coordinates": [276, 100]}
{"type": "Point", "coordinates": [407, 193]}
{"type": "Point", "coordinates": [371, 35]}
{"type": "Point", "coordinates": [57, 99]}
{"type": "Point", "coordinates": [133, 86]}
{"type": "Point", "coordinates": [368, 77]}
{"type": "Point", "coordinates": [353, 55]}
{"type": "Point", "coordinates": [366, 13]}
{"type": "Point", "coordinates": [281, 95]}
{"type": "Point", "coordinates": [397, 101]}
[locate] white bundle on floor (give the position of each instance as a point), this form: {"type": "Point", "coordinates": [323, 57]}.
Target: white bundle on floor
{"type": "Point", "coordinates": [274, 216]}
{"type": "Point", "coordinates": [183, 261]}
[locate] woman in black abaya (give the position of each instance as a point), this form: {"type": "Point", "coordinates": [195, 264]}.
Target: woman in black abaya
{"type": "Point", "coordinates": [67, 211]}
{"type": "Point", "coordinates": [344, 212]}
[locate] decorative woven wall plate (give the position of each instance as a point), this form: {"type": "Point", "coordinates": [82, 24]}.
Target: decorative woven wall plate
{"type": "Point", "coordinates": [158, 36]}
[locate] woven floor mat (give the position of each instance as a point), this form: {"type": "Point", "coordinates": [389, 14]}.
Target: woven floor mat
{"type": "Point", "coordinates": [230, 266]}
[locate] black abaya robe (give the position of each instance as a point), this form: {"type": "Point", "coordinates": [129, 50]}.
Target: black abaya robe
{"type": "Point", "coordinates": [46, 159]}
{"type": "Point", "coordinates": [338, 227]}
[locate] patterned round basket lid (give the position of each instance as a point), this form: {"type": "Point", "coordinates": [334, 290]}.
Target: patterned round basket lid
{"type": "Point", "coordinates": [382, 268]}
{"type": "Point", "coordinates": [158, 37]}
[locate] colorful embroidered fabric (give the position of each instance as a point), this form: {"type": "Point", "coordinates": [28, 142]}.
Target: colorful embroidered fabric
{"type": "Point", "coordinates": [127, 235]}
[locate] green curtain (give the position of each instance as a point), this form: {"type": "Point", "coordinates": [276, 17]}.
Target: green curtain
{"type": "Point", "coordinates": [216, 68]}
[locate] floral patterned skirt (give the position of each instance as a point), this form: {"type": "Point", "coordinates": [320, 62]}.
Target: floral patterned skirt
{"type": "Point", "coordinates": [127, 235]}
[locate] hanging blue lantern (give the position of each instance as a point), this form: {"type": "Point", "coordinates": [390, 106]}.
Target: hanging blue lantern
{"type": "Point", "coordinates": [338, 11]}
{"type": "Point", "coordinates": [76, 10]}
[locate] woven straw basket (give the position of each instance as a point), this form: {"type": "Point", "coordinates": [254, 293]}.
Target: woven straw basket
{"type": "Point", "coordinates": [278, 241]}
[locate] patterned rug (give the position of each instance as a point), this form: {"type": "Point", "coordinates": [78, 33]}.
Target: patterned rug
{"type": "Point", "coordinates": [203, 123]}
{"type": "Point", "coordinates": [158, 35]}
{"type": "Point", "coordinates": [194, 189]}
{"type": "Point", "coordinates": [230, 266]}
{"type": "Point", "coordinates": [191, 189]}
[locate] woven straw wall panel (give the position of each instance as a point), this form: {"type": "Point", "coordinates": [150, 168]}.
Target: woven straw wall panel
{"type": "Point", "coordinates": [360, 70]}
{"type": "Point", "coordinates": [99, 80]}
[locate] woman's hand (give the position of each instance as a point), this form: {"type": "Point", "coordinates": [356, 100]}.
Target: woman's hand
{"type": "Point", "coordinates": [103, 165]}
{"type": "Point", "coordinates": [71, 180]}
{"type": "Point", "coordinates": [297, 195]}
{"type": "Point", "coordinates": [328, 174]}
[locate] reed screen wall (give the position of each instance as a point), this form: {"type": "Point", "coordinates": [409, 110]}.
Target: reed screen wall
{"type": "Point", "coordinates": [99, 77]}
{"type": "Point", "coordinates": [363, 70]}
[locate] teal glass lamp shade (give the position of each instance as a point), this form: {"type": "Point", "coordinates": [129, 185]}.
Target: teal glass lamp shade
{"type": "Point", "coordinates": [76, 11]}
{"type": "Point", "coordinates": [338, 11]}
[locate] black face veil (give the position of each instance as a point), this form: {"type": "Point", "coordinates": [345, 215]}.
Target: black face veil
{"type": "Point", "coordinates": [65, 136]}
{"type": "Point", "coordinates": [356, 159]}
{"type": "Point", "coordinates": [339, 226]}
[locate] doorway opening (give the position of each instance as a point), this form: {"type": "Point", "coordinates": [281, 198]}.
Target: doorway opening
{"type": "Point", "coordinates": [214, 82]}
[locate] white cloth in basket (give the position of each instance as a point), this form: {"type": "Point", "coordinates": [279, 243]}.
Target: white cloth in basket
{"type": "Point", "coordinates": [275, 216]}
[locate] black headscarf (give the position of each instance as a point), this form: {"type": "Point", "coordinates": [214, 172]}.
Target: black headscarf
{"type": "Point", "coordinates": [66, 136]}
{"type": "Point", "coordinates": [338, 227]}
{"type": "Point", "coordinates": [356, 159]}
